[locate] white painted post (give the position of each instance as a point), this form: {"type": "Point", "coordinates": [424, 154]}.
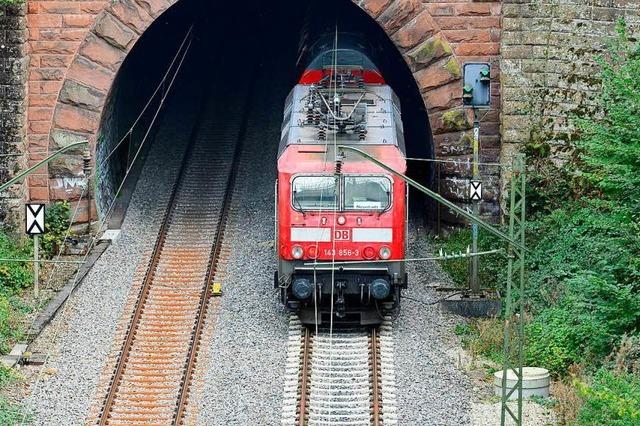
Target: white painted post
{"type": "Point", "coordinates": [36, 268]}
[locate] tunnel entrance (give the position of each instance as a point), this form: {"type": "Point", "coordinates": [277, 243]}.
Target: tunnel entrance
{"type": "Point", "coordinates": [233, 36]}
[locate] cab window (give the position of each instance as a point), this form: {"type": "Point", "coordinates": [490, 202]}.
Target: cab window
{"type": "Point", "coordinates": [367, 193]}
{"type": "Point", "coordinates": [314, 193]}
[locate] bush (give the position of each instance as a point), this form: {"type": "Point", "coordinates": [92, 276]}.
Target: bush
{"type": "Point", "coordinates": [13, 275]}
{"type": "Point", "coordinates": [492, 267]}
{"type": "Point", "coordinates": [57, 223]}
{"type": "Point", "coordinates": [611, 399]}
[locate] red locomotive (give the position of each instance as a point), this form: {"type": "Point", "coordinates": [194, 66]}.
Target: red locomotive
{"type": "Point", "coordinates": [341, 221]}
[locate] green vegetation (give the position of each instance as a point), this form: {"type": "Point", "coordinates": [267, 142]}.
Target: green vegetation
{"type": "Point", "coordinates": [584, 266]}
{"type": "Point", "coordinates": [57, 223]}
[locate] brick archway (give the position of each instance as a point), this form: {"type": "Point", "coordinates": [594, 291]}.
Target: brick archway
{"type": "Point", "coordinates": [433, 38]}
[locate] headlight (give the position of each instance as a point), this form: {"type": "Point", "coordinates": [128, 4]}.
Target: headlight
{"type": "Point", "coordinates": [297, 252]}
{"type": "Point", "coordinates": [385, 253]}
{"type": "Point", "coordinates": [312, 252]}
{"type": "Point", "coordinates": [342, 220]}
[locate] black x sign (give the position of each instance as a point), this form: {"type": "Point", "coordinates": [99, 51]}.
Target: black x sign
{"type": "Point", "coordinates": [34, 219]}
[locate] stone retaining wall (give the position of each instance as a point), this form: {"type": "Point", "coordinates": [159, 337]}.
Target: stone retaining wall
{"type": "Point", "coordinates": [13, 90]}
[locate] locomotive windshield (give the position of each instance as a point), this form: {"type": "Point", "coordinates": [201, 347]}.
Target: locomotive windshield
{"type": "Point", "coordinates": [367, 193]}
{"type": "Point", "coordinates": [314, 192]}
{"type": "Point", "coordinates": [360, 193]}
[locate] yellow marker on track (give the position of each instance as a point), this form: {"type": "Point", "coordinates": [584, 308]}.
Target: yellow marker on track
{"type": "Point", "coordinates": [216, 289]}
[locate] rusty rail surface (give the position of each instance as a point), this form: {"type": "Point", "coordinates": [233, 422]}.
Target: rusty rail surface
{"type": "Point", "coordinates": [304, 376]}
{"type": "Point", "coordinates": [153, 374]}
{"type": "Point", "coordinates": [375, 378]}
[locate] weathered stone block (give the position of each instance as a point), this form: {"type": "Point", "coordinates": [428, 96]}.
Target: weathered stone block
{"type": "Point", "coordinates": [132, 15]}
{"type": "Point", "coordinates": [443, 97]}
{"type": "Point", "coordinates": [114, 31]}
{"type": "Point", "coordinates": [62, 138]}
{"type": "Point", "coordinates": [374, 7]}
{"type": "Point", "coordinates": [155, 7]}
{"type": "Point", "coordinates": [101, 52]}
{"type": "Point", "coordinates": [76, 119]}
{"type": "Point", "coordinates": [418, 29]}
{"type": "Point", "coordinates": [397, 14]}
{"type": "Point", "coordinates": [430, 51]}
{"type": "Point", "coordinates": [66, 165]}
{"type": "Point", "coordinates": [437, 74]}
{"type": "Point", "coordinates": [80, 95]}
{"type": "Point", "coordinates": [453, 144]}
{"type": "Point", "coordinates": [91, 74]}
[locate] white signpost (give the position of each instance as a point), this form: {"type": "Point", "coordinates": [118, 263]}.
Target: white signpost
{"type": "Point", "coordinates": [34, 225]}
{"type": "Point", "coordinates": [475, 190]}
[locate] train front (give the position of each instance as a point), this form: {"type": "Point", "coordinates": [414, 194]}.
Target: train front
{"type": "Point", "coordinates": [341, 220]}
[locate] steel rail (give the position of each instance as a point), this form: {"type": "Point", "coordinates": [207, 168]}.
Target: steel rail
{"type": "Point", "coordinates": [304, 376]}
{"type": "Point", "coordinates": [212, 267]}
{"type": "Point", "coordinates": [148, 279]}
{"type": "Point", "coordinates": [375, 379]}
{"type": "Point", "coordinates": [305, 379]}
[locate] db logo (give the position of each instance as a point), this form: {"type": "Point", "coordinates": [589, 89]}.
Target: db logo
{"type": "Point", "coordinates": [342, 235]}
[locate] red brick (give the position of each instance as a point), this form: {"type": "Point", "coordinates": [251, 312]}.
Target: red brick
{"type": "Point", "coordinates": [53, 47]}
{"type": "Point", "coordinates": [64, 188]}
{"type": "Point", "coordinates": [39, 113]}
{"type": "Point", "coordinates": [444, 97]}
{"type": "Point", "coordinates": [38, 142]}
{"type": "Point", "coordinates": [473, 9]}
{"type": "Point", "coordinates": [44, 87]}
{"type": "Point", "coordinates": [90, 74]}
{"type": "Point", "coordinates": [44, 21]}
{"type": "Point", "coordinates": [37, 155]}
{"type": "Point", "coordinates": [477, 49]}
{"type": "Point", "coordinates": [452, 22]}
{"type": "Point", "coordinates": [83, 211]}
{"type": "Point", "coordinates": [73, 118]}
{"type": "Point", "coordinates": [93, 7]}
{"type": "Point", "coordinates": [132, 15]}
{"type": "Point", "coordinates": [55, 61]}
{"type": "Point", "coordinates": [480, 22]}
{"type": "Point", "coordinates": [33, 7]}
{"type": "Point", "coordinates": [436, 9]}
{"type": "Point", "coordinates": [374, 7]}
{"type": "Point", "coordinates": [474, 36]}
{"type": "Point", "coordinates": [39, 127]}
{"type": "Point", "coordinates": [82, 21]}
{"type": "Point", "coordinates": [42, 100]}
{"type": "Point", "coordinates": [101, 52]}
{"type": "Point", "coordinates": [39, 193]}
{"type": "Point", "coordinates": [418, 29]}
{"type": "Point", "coordinates": [37, 180]}
{"type": "Point", "coordinates": [73, 34]}
{"type": "Point", "coordinates": [44, 34]}
{"type": "Point", "coordinates": [61, 7]}
{"type": "Point", "coordinates": [46, 74]}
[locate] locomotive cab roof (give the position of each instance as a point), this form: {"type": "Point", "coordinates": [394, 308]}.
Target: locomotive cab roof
{"type": "Point", "coordinates": [350, 114]}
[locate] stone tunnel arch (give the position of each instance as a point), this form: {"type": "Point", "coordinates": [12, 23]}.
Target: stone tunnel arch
{"type": "Point", "coordinates": [411, 26]}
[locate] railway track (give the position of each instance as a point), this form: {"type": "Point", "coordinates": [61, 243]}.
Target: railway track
{"type": "Point", "coordinates": [154, 370]}
{"type": "Point", "coordinates": [345, 377]}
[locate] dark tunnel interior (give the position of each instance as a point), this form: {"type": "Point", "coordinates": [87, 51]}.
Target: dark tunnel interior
{"type": "Point", "coordinates": [234, 36]}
